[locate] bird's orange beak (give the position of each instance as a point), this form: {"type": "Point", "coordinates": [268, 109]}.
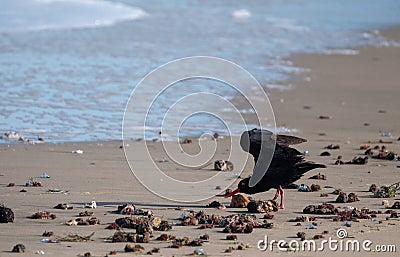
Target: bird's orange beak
{"type": "Point", "coordinates": [234, 192]}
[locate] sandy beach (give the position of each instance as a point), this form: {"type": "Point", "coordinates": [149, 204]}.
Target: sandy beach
{"type": "Point", "coordinates": [357, 95]}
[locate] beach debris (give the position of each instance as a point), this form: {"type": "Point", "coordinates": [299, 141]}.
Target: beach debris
{"type": "Point", "coordinates": [387, 191]}
{"type": "Point", "coordinates": [318, 176]}
{"type": "Point", "coordinates": [43, 215]}
{"type": "Point", "coordinates": [63, 206]}
{"type": "Point", "coordinates": [386, 134]}
{"type": "Point", "coordinates": [31, 183]}
{"type": "Point", "coordinates": [216, 204]}
{"type": "Point", "coordinates": [6, 214]}
{"type": "Point", "coordinates": [303, 188]}
{"type": "Point", "coordinates": [324, 208]}
{"type": "Point", "coordinates": [268, 216]}
{"type": "Point", "coordinates": [326, 153]}
{"type": "Point", "coordinates": [337, 191]}
{"type": "Point", "coordinates": [385, 203]}
{"type": "Point", "coordinates": [365, 146]}
{"type": "Point", "coordinates": [135, 248]}
{"type": "Point", "coordinates": [55, 191]}
{"type": "Point", "coordinates": [44, 175]}
{"type": "Point", "coordinates": [373, 188]}
{"type": "Point", "coordinates": [310, 226]}
{"type": "Point", "coordinates": [85, 213]}
{"type": "Point", "coordinates": [323, 195]}
{"type": "Point", "coordinates": [332, 147]}
{"type": "Point", "coordinates": [324, 117]}
{"type": "Point", "coordinates": [199, 251]}
{"type": "Point", "coordinates": [113, 226]}
{"type": "Point", "coordinates": [83, 222]}
{"type": "Point", "coordinates": [304, 219]}
{"type": "Point", "coordinates": [396, 205]}
{"type": "Point", "coordinates": [47, 233]}
{"type": "Point", "coordinates": [77, 151]}
{"type": "Point", "coordinates": [186, 241]}
{"type": "Point", "coordinates": [120, 236]}
{"type": "Point", "coordinates": [186, 141]}
{"type": "Point", "coordinates": [343, 198]}
{"type": "Point", "coordinates": [262, 206]}
{"type": "Point", "coordinates": [228, 191]}
{"type": "Point", "coordinates": [239, 201]}
{"type": "Point", "coordinates": [92, 205]}
{"type": "Point", "coordinates": [76, 238]}
{"type": "Point", "coordinates": [358, 160]}
{"type": "Point", "coordinates": [18, 248]}
{"type": "Point", "coordinates": [23, 191]}
{"type": "Point", "coordinates": [11, 184]}
{"type": "Point", "coordinates": [301, 235]}
{"type": "Point", "coordinates": [394, 215]}
{"type": "Point", "coordinates": [312, 188]}
{"type": "Point", "coordinates": [48, 240]}
{"type": "Point", "coordinates": [353, 214]}
{"type": "Point", "coordinates": [165, 237]}
{"type": "Point", "coordinates": [222, 165]}
{"type": "Point", "coordinates": [126, 209]}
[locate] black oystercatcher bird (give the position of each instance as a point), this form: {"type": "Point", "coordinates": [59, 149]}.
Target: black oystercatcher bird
{"type": "Point", "coordinates": [287, 164]}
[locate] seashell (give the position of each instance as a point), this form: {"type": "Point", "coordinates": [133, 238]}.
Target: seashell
{"type": "Point", "coordinates": [222, 165]}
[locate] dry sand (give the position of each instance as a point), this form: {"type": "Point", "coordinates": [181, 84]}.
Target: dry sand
{"type": "Point", "coordinates": [352, 90]}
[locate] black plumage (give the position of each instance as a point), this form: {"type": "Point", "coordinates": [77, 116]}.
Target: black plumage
{"type": "Point", "coordinates": [286, 166]}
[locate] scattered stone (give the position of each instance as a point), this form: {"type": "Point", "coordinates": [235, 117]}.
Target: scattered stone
{"type": "Point", "coordinates": [32, 183]}
{"type": "Point", "coordinates": [365, 146]}
{"type": "Point", "coordinates": [86, 214]}
{"type": "Point", "coordinates": [136, 248]}
{"type": "Point", "coordinates": [23, 191]}
{"type": "Point", "coordinates": [301, 235]}
{"type": "Point", "coordinates": [304, 219]}
{"type": "Point", "coordinates": [187, 141]}
{"type": "Point", "coordinates": [396, 205]}
{"type": "Point", "coordinates": [268, 216]}
{"type": "Point", "coordinates": [352, 197]}
{"type": "Point", "coordinates": [318, 176]}
{"type": "Point", "coordinates": [126, 209]}
{"type": "Point", "coordinates": [323, 195]}
{"type": "Point", "coordinates": [387, 191]}
{"type": "Point", "coordinates": [6, 214]}
{"type": "Point", "coordinates": [325, 154]}
{"type": "Point", "coordinates": [11, 184]}
{"type": "Point", "coordinates": [262, 206]}
{"type": "Point", "coordinates": [239, 201]}
{"type": "Point", "coordinates": [43, 215]}
{"type": "Point", "coordinates": [337, 191]}
{"type": "Point", "coordinates": [19, 248]}
{"type": "Point", "coordinates": [324, 208]}
{"type": "Point", "coordinates": [216, 204]}
{"type": "Point", "coordinates": [204, 226]}
{"type": "Point", "coordinates": [332, 146]}
{"type": "Point", "coordinates": [315, 188]}
{"type": "Point", "coordinates": [394, 215]}
{"type": "Point", "coordinates": [323, 117]}
{"type": "Point", "coordinates": [358, 160]}
{"type": "Point", "coordinates": [63, 206]}
{"type": "Point", "coordinates": [231, 237]}
{"type": "Point", "coordinates": [316, 237]}
{"type": "Point", "coordinates": [373, 188]}
{"type": "Point", "coordinates": [76, 238]}
{"type": "Point", "coordinates": [47, 233]}
{"type": "Point", "coordinates": [385, 203]}
{"type": "Point", "coordinates": [204, 237]}
{"type": "Point", "coordinates": [222, 165]}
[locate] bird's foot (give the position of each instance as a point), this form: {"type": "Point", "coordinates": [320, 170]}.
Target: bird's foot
{"type": "Point", "coordinates": [282, 206]}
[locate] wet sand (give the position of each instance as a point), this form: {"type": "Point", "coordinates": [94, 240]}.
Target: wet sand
{"type": "Point", "coordinates": [352, 90]}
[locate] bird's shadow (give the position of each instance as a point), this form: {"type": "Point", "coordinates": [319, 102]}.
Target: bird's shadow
{"type": "Point", "coordinates": [151, 205]}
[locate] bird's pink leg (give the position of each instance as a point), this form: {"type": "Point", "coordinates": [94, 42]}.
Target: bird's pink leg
{"type": "Point", "coordinates": [276, 195]}
{"type": "Point", "coordinates": [282, 193]}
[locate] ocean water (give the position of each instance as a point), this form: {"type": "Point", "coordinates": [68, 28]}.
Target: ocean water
{"type": "Point", "coordinates": [67, 68]}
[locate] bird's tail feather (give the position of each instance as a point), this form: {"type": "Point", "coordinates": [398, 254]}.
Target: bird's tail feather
{"type": "Point", "coordinates": [303, 167]}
